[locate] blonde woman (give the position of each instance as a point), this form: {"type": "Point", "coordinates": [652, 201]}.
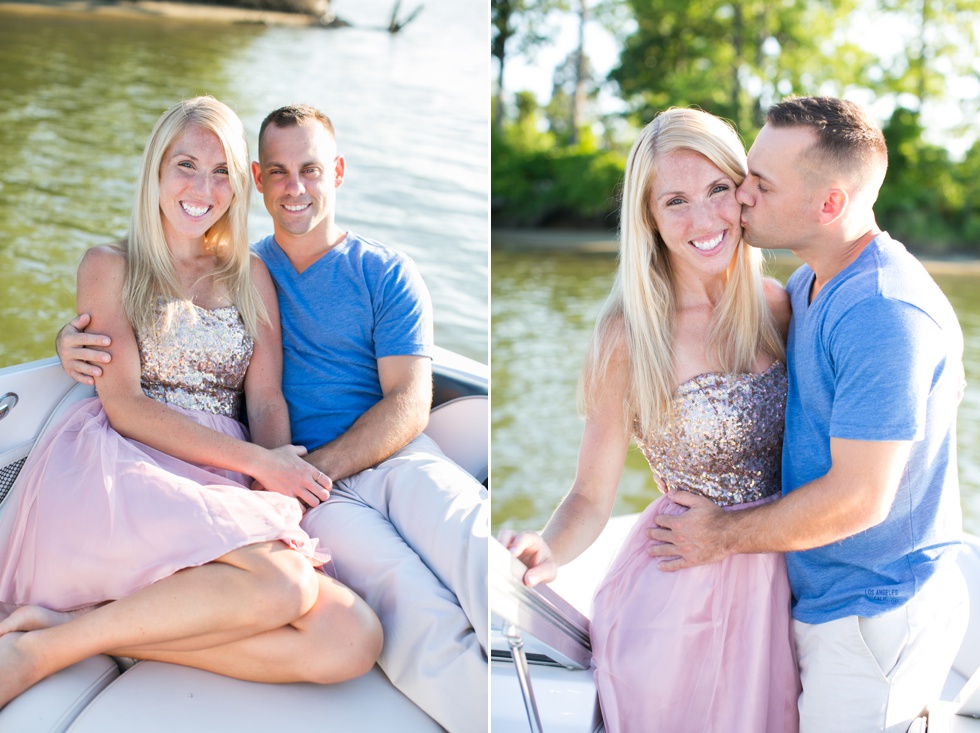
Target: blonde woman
{"type": "Point", "coordinates": [687, 360]}
{"type": "Point", "coordinates": [132, 529]}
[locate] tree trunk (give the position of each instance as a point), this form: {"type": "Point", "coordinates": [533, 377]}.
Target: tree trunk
{"type": "Point", "coordinates": [498, 113]}
{"type": "Point", "coordinates": [738, 41]}
{"type": "Point", "coordinates": [501, 16]}
{"type": "Point", "coordinates": [581, 73]}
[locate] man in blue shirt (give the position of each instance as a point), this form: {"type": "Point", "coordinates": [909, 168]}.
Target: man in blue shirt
{"type": "Point", "coordinates": [870, 514]}
{"type": "Point", "coordinates": [406, 527]}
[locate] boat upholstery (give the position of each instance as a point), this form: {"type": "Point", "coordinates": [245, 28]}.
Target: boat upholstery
{"type": "Point", "coordinates": [968, 658]}
{"type": "Point", "coordinates": [52, 704]}
{"type": "Point", "coordinates": [451, 382]}
{"type": "Point", "coordinates": [154, 697]}
{"type": "Point", "coordinates": [461, 427]}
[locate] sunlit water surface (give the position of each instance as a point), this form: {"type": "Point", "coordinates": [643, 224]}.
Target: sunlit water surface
{"type": "Point", "coordinates": [79, 95]}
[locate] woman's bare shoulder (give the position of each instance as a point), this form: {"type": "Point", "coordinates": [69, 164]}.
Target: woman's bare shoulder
{"type": "Point", "coordinates": [262, 279]}
{"type": "Point", "coordinates": [257, 268]}
{"type": "Point", "coordinates": [778, 301]}
{"type": "Point", "coordinates": [103, 260]}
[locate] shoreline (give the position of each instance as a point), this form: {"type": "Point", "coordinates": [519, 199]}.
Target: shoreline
{"type": "Point", "coordinates": [159, 9]}
{"type": "Point", "coordinates": [598, 242]}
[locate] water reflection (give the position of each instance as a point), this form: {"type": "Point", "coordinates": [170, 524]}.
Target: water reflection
{"type": "Point", "coordinates": [75, 109]}
{"type": "Point", "coordinates": [544, 305]}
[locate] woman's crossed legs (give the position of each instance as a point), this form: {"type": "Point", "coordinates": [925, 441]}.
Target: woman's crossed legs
{"type": "Point", "coordinates": [259, 613]}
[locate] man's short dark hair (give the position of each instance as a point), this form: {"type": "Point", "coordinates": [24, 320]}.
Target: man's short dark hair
{"type": "Point", "coordinates": [293, 115]}
{"type": "Point", "coordinates": [847, 137]}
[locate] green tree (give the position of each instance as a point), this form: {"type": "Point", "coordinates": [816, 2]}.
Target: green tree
{"type": "Point", "coordinates": [573, 85]}
{"type": "Point", "coordinates": [967, 175]}
{"type": "Point", "coordinates": [534, 182]}
{"type": "Point", "coordinates": [926, 216]}
{"type": "Point", "coordinates": [734, 57]}
{"type": "Point", "coordinates": [935, 68]}
{"type": "Point", "coordinates": [517, 27]}
{"type": "Point", "coordinates": [940, 41]}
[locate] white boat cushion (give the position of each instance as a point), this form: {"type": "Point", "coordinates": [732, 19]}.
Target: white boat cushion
{"type": "Point", "coordinates": [154, 697]}
{"type": "Point", "coordinates": [968, 658]}
{"type": "Point", "coordinates": [52, 704]}
{"type": "Point", "coordinates": [461, 427]}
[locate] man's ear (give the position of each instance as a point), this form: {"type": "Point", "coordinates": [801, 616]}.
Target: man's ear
{"type": "Point", "coordinates": [257, 176]}
{"type": "Point", "coordinates": [835, 201]}
{"type": "Point", "coordinates": [339, 168]}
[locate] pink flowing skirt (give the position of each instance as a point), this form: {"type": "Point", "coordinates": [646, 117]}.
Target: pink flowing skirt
{"type": "Point", "coordinates": [708, 648]}
{"type": "Point", "coordinates": [95, 516]}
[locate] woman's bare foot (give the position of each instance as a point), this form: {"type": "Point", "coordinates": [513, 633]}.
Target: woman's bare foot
{"type": "Point", "coordinates": [18, 669]}
{"type": "Point", "coordinates": [32, 618]}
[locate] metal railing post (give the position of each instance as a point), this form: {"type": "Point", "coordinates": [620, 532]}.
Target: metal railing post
{"type": "Point", "coordinates": [516, 643]}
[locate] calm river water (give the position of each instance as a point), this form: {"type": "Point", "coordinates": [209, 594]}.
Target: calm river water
{"type": "Point", "coordinates": [544, 304]}
{"type": "Point", "coordinates": [79, 94]}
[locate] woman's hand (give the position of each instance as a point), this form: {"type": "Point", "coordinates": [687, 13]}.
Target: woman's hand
{"type": "Point", "coordinates": [285, 472]}
{"type": "Point", "coordinates": [531, 549]}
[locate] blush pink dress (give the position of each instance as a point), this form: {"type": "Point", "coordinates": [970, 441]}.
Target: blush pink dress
{"type": "Point", "coordinates": [94, 516]}
{"type": "Point", "coordinates": [709, 648]}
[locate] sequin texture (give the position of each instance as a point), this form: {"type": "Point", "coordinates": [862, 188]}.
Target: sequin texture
{"type": "Point", "coordinates": [198, 363]}
{"type": "Point", "coordinates": [725, 438]}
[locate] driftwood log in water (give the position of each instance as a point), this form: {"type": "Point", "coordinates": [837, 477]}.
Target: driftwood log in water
{"type": "Point", "coordinates": [267, 12]}
{"type": "Point", "coordinates": [319, 9]}
{"type": "Point", "coordinates": [395, 25]}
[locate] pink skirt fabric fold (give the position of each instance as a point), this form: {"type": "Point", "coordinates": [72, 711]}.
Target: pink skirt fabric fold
{"type": "Point", "coordinates": [95, 516]}
{"type": "Point", "coordinates": [706, 649]}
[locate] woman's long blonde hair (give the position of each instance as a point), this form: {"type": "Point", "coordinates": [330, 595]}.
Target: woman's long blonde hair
{"type": "Point", "coordinates": [150, 273]}
{"type": "Point", "coordinates": [641, 304]}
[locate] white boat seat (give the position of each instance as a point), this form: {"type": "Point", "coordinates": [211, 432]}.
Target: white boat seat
{"type": "Point", "coordinates": [967, 660]}
{"type": "Point", "coordinates": [948, 715]}
{"type": "Point", "coordinates": [154, 697]}
{"type": "Point", "coordinates": [54, 703]}
{"type": "Point", "coordinates": [461, 427]}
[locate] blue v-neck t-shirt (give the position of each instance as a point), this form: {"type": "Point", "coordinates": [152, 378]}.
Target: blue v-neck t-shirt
{"type": "Point", "coordinates": [360, 302]}
{"type": "Point", "coordinates": [876, 356]}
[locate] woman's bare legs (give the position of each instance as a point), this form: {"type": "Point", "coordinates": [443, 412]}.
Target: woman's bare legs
{"type": "Point", "coordinates": [31, 618]}
{"type": "Point", "coordinates": [245, 593]}
{"type": "Point", "coordinates": [339, 639]}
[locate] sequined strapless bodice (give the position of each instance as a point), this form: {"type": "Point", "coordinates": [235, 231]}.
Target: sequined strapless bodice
{"type": "Point", "coordinates": [725, 438]}
{"type": "Point", "coordinates": [199, 363]}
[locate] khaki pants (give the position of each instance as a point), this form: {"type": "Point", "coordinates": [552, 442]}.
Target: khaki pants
{"type": "Point", "coordinates": [410, 537]}
{"type": "Point", "coordinates": [877, 674]}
